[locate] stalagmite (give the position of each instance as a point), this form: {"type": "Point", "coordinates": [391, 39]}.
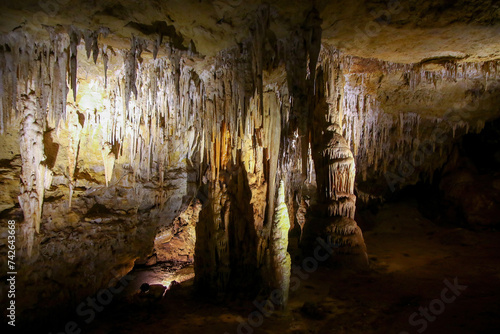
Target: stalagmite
{"type": "Point", "coordinates": [35, 175]}
{"type": "Point", "coordinates": [280, 259]}
{"type": "Point", "coordinates": [347, 237]}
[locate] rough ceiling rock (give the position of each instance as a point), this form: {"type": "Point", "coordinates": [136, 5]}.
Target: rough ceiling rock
{"type": "Point", "coordinates": [391, 30]}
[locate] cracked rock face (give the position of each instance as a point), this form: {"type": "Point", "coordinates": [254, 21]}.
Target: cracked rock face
{"type": "Point", "coordinates": [141, 132]}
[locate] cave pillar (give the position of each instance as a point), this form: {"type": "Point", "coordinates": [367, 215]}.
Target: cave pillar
{"type": "Point", "coordinates": [341, 228]}
{"type": "Point", "coordinates": [35, 175]}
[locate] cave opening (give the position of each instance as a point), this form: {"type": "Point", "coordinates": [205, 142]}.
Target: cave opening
{"type": "Point", "coordinates": [250, 166]}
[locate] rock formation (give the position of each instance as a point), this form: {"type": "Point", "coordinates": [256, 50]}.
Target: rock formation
{"type": "Point", "coordinates": [127, 126]}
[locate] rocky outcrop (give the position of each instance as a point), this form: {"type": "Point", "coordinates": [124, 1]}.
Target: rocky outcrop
{"type": "Point", "coordinates": [176, 242]}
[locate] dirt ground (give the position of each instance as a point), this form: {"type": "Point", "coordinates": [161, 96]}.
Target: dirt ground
{"type": "Point", "coordinates": [423, 278]}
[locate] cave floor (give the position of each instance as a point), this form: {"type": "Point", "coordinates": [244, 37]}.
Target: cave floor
{"type": "Point", "coordinates": [410, 260]}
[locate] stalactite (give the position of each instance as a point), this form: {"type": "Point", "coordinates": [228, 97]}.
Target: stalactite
{"type": "Point", "coordinates": [132, 60]}
{"type": "Point", "coordinates": [344, 206]}
{"type": "Point", "coordinates": [74, 132]}
{"type": "Point", "coordinates": [368, 129]}
{"type": "Point", "coordinates": [20, 56]}
{"type": "Point", "coordinates": [59, 88]}
{"type": "Point", "coordinates": [105, 58]}
{"type": "Point", "coordinates": [74, 37]}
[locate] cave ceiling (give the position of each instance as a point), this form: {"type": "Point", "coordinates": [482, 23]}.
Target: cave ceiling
{"type": "Point", "coordinates": [397, 31]}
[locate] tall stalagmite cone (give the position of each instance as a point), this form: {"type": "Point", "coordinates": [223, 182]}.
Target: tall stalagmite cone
{"type": "Point", "coordinates": [280, 259]}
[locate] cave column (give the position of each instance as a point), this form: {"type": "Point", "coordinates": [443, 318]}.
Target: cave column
{"type": "Point", "coordinates": [35, 175]}
{"type": "Point", "coordinates": [342, 229]}
{"type": "Point", "coordinates": [335, 168]}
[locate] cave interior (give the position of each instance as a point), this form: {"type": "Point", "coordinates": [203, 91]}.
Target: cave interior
{"type": "Point", "coordinates": [232, 166]}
